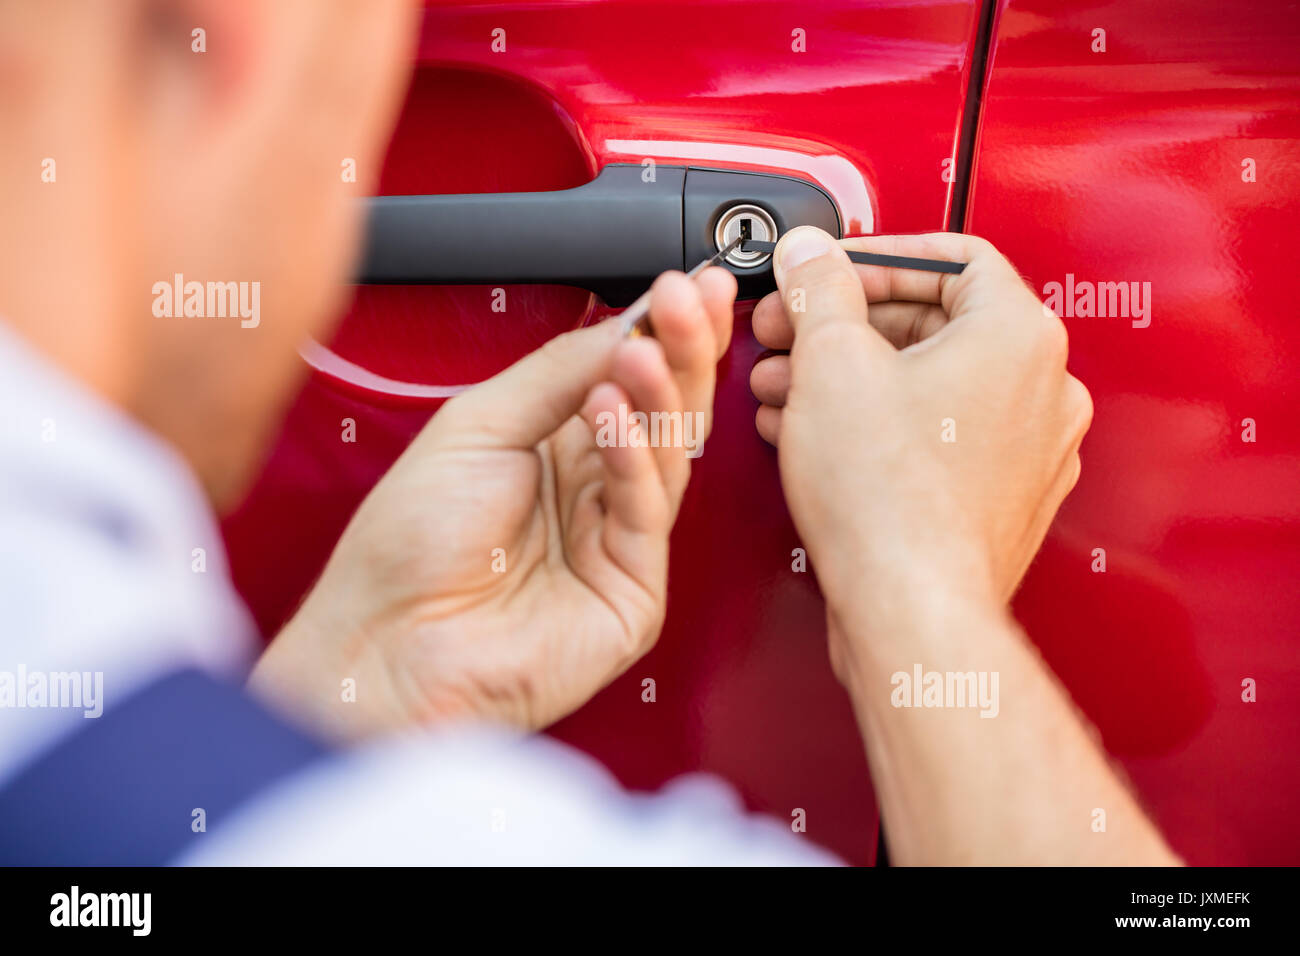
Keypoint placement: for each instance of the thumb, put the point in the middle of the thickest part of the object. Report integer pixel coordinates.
(821, 289)
(522, 405)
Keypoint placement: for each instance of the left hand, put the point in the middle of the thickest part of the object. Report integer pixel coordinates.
(509, 566)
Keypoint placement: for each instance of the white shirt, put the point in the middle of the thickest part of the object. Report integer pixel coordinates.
(111, 564)
(99, 526)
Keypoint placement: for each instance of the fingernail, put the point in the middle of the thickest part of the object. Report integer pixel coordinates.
(802, 245)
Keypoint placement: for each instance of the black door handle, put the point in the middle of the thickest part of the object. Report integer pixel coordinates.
(612, 235)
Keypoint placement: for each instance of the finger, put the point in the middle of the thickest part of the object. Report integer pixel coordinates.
(1041, 520)
(718, 289)
(906, 323)
(771, 324)
(578, 465)
(819, 287)
(816, 280)
(989, 288)
(632, 493)
(987, 303)
(996, 314)
(769, 380)
(640, 368)
(890, 283)
(768, 422)
(834, 344)
(885, 283)
(623, 521)
(981, 292)
(685, 331)
(1078, 417)
(522, 405)
(573, 447)
(902, 323)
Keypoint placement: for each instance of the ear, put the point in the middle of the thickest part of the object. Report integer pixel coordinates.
(197, 67)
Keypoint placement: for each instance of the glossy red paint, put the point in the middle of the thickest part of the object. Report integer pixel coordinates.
(871, 111)
(462, 131)
(1117, 166)
(1128, 165)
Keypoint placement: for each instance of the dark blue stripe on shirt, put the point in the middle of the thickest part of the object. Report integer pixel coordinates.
(122, 791)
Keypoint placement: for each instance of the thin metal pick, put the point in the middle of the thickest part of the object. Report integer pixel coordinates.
(635, 319)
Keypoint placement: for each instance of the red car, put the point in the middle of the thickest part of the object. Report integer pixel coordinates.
(1137, 161)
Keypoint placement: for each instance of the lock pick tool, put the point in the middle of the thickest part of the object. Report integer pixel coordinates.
(635, 319)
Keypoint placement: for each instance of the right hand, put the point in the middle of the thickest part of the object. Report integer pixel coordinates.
(927, 427)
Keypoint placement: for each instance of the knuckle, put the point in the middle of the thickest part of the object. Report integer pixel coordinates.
(1076, 470)
(454, 412)
(1052, 338)
(977, 249)
(835, 336)
(829, 286)
(560, 351)
(554, 349)
(1080, 404)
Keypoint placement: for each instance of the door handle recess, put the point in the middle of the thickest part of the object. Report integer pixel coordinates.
(611, 236)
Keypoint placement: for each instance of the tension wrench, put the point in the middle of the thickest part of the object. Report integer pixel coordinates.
(635, 318)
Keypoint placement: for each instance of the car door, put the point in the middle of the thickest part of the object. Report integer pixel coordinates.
(1151, 149)
(862, 101)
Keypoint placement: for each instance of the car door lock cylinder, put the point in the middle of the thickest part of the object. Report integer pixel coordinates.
(744, 221)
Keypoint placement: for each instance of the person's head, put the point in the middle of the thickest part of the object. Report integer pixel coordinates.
(211, 139)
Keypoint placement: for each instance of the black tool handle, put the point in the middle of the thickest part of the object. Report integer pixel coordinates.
(875, 259)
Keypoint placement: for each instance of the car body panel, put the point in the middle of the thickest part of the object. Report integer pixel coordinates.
(1112, 169)
(870, 112)
(1127, 165)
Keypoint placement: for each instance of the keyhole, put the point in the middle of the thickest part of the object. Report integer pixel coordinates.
(745, 221)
